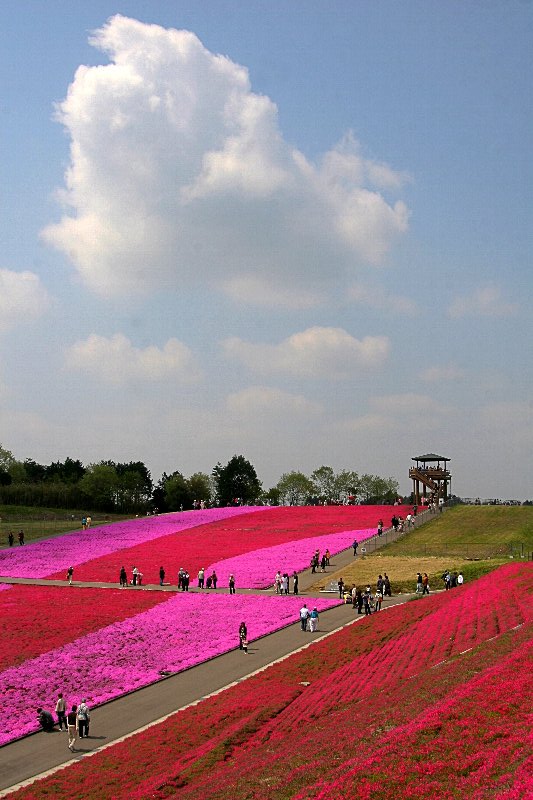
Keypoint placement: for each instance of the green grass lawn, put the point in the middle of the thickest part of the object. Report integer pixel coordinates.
(471, 539)
(471, 532)
(41, 523)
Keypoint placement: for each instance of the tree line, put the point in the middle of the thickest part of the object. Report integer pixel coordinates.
(116, 487)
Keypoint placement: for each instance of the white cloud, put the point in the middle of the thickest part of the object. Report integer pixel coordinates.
(487, 301)
(313, 353)
(443, 372)
(116, 360)
(179, 172)
(22, 298)
(264, 400)
(376, 297)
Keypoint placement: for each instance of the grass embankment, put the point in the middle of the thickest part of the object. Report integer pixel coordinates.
(470, 539)
(42, 523)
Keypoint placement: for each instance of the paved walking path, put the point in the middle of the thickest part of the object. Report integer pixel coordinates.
(39, 752)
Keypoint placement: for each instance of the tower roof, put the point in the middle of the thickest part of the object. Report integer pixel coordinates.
(430, 457)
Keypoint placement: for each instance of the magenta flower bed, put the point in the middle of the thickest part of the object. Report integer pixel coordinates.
(175, 635)
(41, 559)
(257, 570)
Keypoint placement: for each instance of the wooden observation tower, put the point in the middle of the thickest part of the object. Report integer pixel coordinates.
(430, 472)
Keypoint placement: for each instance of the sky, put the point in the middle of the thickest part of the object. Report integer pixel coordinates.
(297, 231)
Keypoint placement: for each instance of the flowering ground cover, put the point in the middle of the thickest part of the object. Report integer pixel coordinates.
(36, 619)
(256, 570)
(129, 654)
(53, 556)
(228, 537)
(360, 727)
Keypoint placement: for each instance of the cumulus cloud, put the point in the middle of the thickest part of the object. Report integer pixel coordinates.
(487, 301)
(314, 353)
(178, 172)
(116, 360)
(376, 297)
(22, 298)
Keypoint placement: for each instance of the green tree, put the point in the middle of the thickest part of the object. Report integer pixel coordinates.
(176, 492)
(7, 459)
(101, 485)
(374, 490)
(345, 485)
(135, 486)
(67, 471)
(237, 481)
(294, 488)
(200, 487)
(323, 480)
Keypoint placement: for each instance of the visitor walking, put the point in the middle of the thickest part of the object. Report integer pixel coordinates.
(304, 616)
(11, 539)
(285, 583)
(123, 578)
(295, 582)
(231, 584)
(418, 583)
(425, 584)
(72, 723)
(380, 527)
(70, 572)
(83, 719)
(367, 600)
(243, 637)
(61, 711)
(359, 596)
(214, 579)
(340, 584)
(355, 545)
(277, 582)
(386, 586)
(161, 576)
(201, 578)
(313, 620)
(21, 537)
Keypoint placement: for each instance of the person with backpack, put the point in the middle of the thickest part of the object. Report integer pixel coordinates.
(83, 719)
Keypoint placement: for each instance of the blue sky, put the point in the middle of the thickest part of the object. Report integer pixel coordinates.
(300, 231)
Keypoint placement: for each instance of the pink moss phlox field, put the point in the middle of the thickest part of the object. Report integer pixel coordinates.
(227, 538)
(175, 635)
(41, 559)
(257, 570)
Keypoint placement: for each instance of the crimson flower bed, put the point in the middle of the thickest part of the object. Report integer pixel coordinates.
(426, 699)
